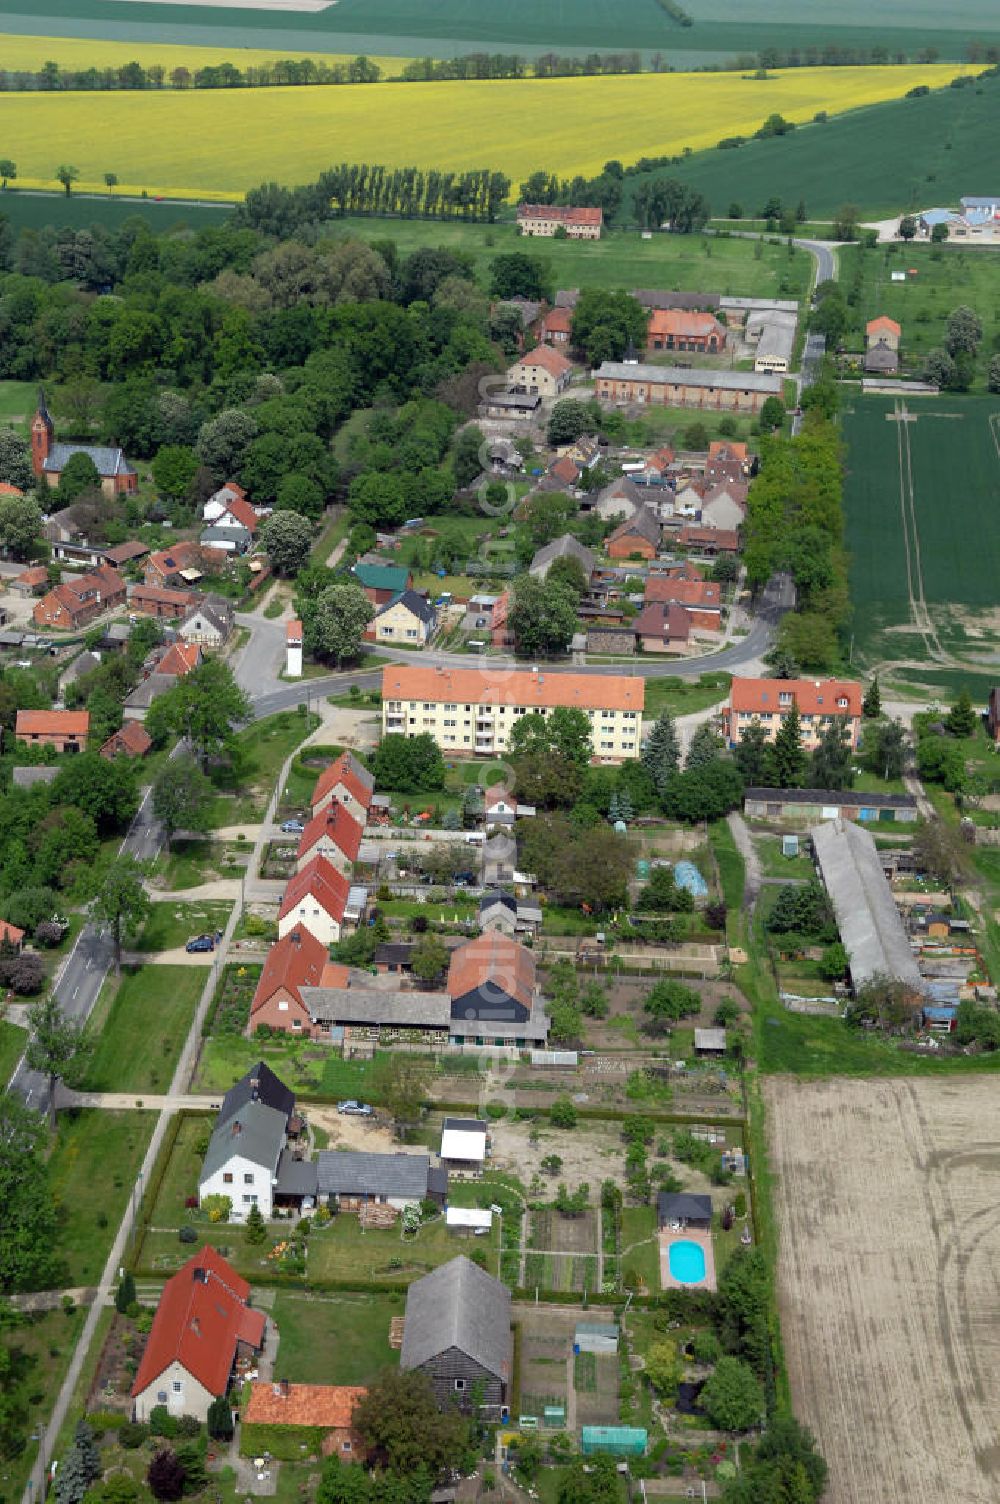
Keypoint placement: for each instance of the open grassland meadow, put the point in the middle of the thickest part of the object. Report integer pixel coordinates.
(920, 504)
(155, 140)
(886, 1198)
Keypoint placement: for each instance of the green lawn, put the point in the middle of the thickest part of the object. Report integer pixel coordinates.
(336, 1339)
(640, 1248)
(188, 864)
(946, 276)
(773, 864)
(180, 1177)
(18, 400)
(621, 258)
(172, 924)
(260, 751)
(12, 1042)
(302, 775)
(685, 696)
(93, 1167)
(140, 1024)
(309, 1069)
(958, 560)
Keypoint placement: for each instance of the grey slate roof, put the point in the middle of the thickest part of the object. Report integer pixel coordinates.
(145, 693)
(562, 548)
(259, 1084)
(255, 1132)
(725, 381)
(868, 920)
(490, 900)
(654, 298)
(831, 796)
(458, 1305)
(296, 1177)
(218, 613)
(418, 606)
(675, 1207)
(26, 778)
(85, 663)
(350, 1005)
(240, 536)
(352, 1173)
(466, 1125)
(359, 770)
(644, 523)
(108, 461)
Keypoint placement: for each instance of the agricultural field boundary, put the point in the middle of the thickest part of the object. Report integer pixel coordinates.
(153, 140)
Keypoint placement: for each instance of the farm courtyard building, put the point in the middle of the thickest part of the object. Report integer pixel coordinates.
(674, 386)
(769, 701)
(580, 223)
(473, 710)
(870, 927)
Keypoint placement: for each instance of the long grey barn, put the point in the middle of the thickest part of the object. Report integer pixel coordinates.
(457, 1332)
(867, 917)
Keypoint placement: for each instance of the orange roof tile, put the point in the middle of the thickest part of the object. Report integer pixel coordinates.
(319, 879)
(133, 739)
(564, 469)
(883, 325)
(558, 321)
(180, 658)
(244, 513)
(479, 686)
(10, 932)
(682, 324)
(812, 696)
(721, 537)
(726, 449)
(326, 1406)
(297, 960)
(6, 489)
(202, 1315)
(37, 575)
(335, 975)
(40, 722)
(701, 593)
(343, 771)
(579, 214)
(334, 820)
(493, 958)
(293, 631)
(550, 360)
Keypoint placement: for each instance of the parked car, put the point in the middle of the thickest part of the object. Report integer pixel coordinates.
(292, 827)
(356, 1109)
(200, 943)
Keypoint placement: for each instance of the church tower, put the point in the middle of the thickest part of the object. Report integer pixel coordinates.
(41, 435)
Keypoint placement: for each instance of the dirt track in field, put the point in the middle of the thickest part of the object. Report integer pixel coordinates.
(887, 1195)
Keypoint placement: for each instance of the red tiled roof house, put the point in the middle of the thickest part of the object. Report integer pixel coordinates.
(581, 222)
(66, 730)
(769, 701)
(679, 329)
(326, 1410)
(74, 603)
(333, 833)
(315, 898)
(203, 1323)
(542, 370)
(133, 740)
(349, 783)
(297, 960)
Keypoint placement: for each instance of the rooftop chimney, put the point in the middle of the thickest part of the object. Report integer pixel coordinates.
(196, 1326)
(200, 1276)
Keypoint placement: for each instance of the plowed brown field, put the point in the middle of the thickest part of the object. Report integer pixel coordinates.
(887, 1195)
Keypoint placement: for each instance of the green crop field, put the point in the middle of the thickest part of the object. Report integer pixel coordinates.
(33, 211)
(928, 152)
(920, 500)
(722, 28)
(939, 278)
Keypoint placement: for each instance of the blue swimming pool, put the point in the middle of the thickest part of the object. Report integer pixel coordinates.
(687, 1262)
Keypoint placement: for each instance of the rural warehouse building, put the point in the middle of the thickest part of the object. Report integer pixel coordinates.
(473, 710)
(673, 386)
(867, 917)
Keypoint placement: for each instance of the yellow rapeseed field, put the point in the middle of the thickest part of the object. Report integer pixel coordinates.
(219, 143)
(29, 53)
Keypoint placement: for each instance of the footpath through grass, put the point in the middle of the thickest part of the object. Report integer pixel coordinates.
(140, 1024)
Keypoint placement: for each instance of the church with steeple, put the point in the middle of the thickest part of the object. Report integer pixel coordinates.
(49, 458)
